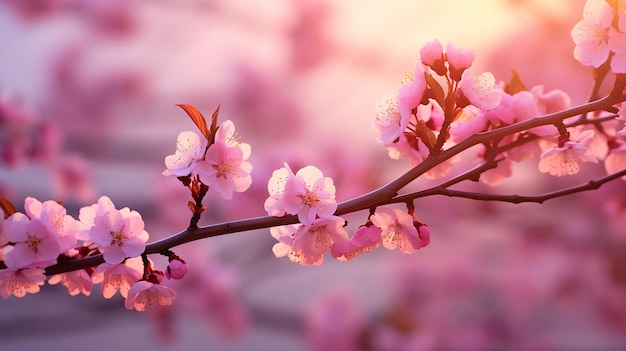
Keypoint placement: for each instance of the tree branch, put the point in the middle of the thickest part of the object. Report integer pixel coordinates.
(388, 193)
(515, 199)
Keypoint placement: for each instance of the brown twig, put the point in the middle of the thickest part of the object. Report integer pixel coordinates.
(388, 193)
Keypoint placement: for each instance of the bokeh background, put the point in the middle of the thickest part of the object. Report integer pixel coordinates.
(95, 85)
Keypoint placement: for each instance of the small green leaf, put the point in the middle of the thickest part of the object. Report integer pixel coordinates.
(197, 118)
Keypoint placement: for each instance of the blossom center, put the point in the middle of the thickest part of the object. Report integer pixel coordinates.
(394, 235)
(310, 198)
(223, 169)
(118, 237)
(33, 242)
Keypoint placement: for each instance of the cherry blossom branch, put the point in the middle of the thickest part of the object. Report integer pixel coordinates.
(390, 190)
(514, 198)
(388, 193)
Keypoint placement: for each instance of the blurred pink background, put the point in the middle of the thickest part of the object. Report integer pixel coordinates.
(300, 80)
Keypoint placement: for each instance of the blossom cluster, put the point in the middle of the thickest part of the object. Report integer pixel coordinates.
(600, 36)
(444, 102)
(45, 235)
(221, 165)
(442, 89)
(310, 196)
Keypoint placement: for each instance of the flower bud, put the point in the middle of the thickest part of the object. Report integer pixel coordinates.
(177, 268)
(424, 233)
(459, 59)
(432, 56)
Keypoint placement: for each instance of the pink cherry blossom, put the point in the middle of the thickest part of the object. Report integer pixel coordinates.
(411, 91)
(309, 194)
(225, 169)
(118, 233)
(398, 230)
(76, 282)
(19, 282)
(459, 59)
(364, 239)
(564, 158)
(63, 226)
(432, 56)
(143, 295)
(226, 134)
(598, 144)
(117, 277)
(525, 105)
(35, 245)
(408, 145)
(591, 33)
(312, 241)
(87, 215)
(177, 268)
(276, 188)
(552, 101)
(389, 122)
(479, 89)
(617, 44)
(190, 148)
(283, 248)
(472, 120)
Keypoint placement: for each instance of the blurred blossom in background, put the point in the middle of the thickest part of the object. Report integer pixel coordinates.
(88, 94)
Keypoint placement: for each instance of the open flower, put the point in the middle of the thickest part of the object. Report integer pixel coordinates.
(398, 230)
(226, 134)
(283, 248)
(411, 91)
(190, 148)
(19, 282)
(225, 169)
(591, 34)
(117, 277)
(54, 216)
(364, 239)
(389, 123)
(276, 188)
(118, 233)
(563, 159)
(617, 44)
(35, 245)
(311, 242)
(309, 194)
(76, 282)
(143, 295)
(479, 90)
